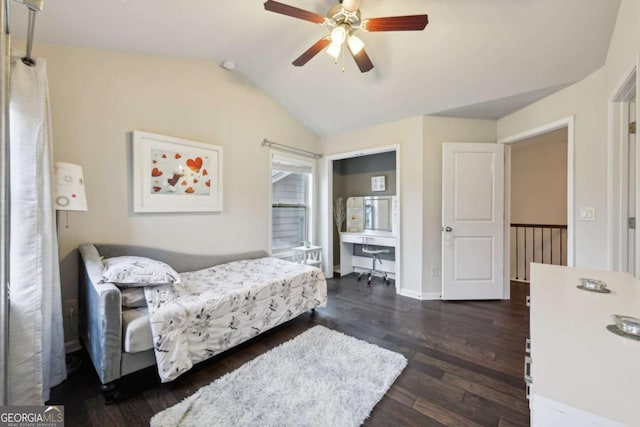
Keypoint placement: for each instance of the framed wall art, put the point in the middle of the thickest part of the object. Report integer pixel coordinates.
(378, 183)
(175, 175)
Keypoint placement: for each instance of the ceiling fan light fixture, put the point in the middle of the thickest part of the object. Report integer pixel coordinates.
(339, 34)
(342, 20)
(355, 45)
(334, 50)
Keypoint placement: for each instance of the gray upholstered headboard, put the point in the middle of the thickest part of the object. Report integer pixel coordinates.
(181, 262)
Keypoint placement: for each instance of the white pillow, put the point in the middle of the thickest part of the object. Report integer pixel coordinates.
(135, 271)
(133, 297)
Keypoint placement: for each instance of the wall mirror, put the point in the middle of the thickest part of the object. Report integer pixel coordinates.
(377, 213)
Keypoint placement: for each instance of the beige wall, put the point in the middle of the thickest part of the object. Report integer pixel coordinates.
(437, 130)
(588, 102)
(98, 97)
(539, 179)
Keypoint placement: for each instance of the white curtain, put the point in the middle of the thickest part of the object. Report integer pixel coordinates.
(36, 339)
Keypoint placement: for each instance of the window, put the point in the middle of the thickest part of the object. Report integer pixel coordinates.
(291, 180)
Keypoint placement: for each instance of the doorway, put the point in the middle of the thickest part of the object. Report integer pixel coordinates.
(538, 183)
(623, 180)
(631, 178)
(553, 236)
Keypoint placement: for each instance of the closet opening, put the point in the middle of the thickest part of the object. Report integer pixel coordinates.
(363, 200)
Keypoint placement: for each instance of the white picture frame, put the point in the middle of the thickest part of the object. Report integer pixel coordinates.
(378, 183)
(175, 175)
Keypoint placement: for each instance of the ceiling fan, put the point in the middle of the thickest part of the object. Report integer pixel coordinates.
(343, 20)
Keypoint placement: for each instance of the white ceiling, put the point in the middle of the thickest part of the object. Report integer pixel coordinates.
(476, 58)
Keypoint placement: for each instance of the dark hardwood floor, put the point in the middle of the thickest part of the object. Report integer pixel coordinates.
(465, 361)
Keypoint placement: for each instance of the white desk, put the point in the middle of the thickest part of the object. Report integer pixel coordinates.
(582, 374)
(311, 255)
(350, 262)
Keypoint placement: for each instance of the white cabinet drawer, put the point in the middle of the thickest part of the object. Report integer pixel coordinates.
(370, 240)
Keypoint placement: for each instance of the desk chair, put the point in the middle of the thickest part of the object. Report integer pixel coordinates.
(375, 256)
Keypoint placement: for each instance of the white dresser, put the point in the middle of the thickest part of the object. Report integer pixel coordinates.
(581, 374)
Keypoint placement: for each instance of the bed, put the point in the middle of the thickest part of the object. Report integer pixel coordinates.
(220, 302)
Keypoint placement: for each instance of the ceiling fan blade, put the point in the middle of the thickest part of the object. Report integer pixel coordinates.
(285, 9)
(363, 60)
(396, 23)
(312, 51)
(351, 5)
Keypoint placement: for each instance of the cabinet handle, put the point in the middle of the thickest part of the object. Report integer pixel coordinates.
(527, 369)
(528, 391)
(528, 301)
(527, 346)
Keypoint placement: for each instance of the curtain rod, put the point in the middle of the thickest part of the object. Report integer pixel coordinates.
(34, 6)
(267, 143)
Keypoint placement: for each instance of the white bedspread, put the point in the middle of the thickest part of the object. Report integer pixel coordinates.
(217, 308)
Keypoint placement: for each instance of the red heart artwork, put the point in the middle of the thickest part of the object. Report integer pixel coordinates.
(156, 189)
(189, 190)
(155, 161)
(194, 164)
(183, 183)
(178, 155)
(164, 156)
(195, 181)
(156, 172)
(204, 172)
(208, 183)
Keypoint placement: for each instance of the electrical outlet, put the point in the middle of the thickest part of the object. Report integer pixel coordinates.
(434, 271)
(71, 307)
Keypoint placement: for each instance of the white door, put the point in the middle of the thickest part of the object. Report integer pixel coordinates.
(472, 221)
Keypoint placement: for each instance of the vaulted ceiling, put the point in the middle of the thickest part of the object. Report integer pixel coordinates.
(476, 58)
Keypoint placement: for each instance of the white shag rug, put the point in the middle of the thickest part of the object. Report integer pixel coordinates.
(319, 378)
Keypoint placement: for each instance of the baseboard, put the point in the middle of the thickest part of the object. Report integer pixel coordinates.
(71, 346)
(410, 293)
(424, 296)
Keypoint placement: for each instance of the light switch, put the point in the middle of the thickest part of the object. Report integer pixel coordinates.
(587, 214)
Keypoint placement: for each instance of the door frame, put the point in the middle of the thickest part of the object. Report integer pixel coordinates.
(618, 170)
(326, 216)
(567, 122)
